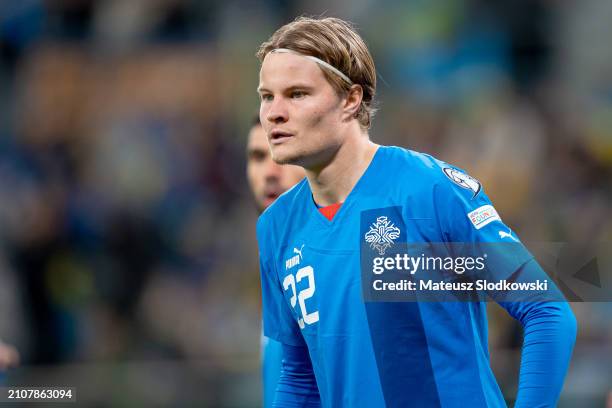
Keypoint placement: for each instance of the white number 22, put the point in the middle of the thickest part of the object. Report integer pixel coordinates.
(289, 282)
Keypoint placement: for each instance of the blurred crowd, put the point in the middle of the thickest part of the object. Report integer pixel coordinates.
(126, 228)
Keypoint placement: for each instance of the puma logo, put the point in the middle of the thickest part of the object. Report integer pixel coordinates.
(504, 234)
(295, 259)
(299, 251)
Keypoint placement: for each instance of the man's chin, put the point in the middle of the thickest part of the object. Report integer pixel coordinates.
(267, 202)
(282, 158)
(264, 203)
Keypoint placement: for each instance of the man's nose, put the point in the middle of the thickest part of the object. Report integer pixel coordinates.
(277, 113)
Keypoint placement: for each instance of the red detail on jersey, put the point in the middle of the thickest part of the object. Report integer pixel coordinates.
(330, 211)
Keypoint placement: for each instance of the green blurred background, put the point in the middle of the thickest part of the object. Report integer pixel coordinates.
(128, 260)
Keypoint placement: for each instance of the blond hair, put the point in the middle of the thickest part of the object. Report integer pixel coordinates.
(336, 42)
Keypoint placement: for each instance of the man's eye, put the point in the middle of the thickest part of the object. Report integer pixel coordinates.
(257, 156)
(266, 97)
(298, 94)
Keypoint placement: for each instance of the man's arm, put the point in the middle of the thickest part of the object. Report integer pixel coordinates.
(297, 386)
(549, 326)
(549, 335)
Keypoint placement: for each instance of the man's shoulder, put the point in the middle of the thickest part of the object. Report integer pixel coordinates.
(429, 176)
(421, 176)
(273, 224)
(285, 204)
(413, 168)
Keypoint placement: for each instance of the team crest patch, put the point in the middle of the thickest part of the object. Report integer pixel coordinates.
(483, 215)
(463, 180)
(382, 234)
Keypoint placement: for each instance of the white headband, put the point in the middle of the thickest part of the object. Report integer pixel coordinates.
(318, 61)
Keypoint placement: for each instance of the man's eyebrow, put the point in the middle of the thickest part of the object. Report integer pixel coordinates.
(299, 86)
(261, 89)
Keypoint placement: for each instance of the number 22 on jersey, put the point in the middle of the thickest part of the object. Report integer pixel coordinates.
(290, 283)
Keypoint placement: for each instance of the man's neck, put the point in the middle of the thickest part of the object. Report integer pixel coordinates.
(333, 183)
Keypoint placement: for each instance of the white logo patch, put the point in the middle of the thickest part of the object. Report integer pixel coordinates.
(381, 235)
(299, 251)
(483, 216)
(296, 259)
(463, 180)
(504, 234)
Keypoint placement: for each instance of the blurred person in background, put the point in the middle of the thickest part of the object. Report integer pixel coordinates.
(267, 181)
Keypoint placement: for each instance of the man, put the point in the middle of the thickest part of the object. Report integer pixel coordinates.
(317, 85)
(267, 181)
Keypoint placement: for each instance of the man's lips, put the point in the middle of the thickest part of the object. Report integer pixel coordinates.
(279, 136)
(270, 196)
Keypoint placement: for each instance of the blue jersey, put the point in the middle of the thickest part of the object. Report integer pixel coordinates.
(376, 354)
(271, 356)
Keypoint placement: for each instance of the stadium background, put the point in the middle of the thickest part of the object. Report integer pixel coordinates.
(128, 264)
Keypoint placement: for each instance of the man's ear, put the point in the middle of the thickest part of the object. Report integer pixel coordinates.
(352, 101)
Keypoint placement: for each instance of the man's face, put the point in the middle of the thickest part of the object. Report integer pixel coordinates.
(300, 110)
(267, 179)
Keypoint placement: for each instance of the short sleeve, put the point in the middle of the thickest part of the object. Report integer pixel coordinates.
(278, 321)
